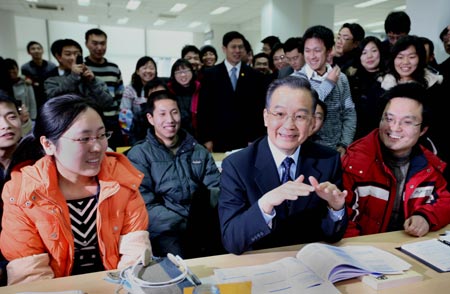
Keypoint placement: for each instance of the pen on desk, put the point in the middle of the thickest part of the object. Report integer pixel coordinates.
(194, 278)
(445, 242)
(190, 275)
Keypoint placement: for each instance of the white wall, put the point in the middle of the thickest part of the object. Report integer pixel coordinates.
(428, 21)
(8, 45)
(30, 29)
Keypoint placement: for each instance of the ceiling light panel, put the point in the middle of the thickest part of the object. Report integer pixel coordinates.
(400, 8)
(194, 24)
(133, 4)
(220, 10)
(122, 20)
(178, 7)
(84, 2)
(83, 18)
(374, 24)
(369, 3)
(159, 22)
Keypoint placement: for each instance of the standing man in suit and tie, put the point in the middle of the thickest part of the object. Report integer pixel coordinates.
(283, 189)
(231, 100)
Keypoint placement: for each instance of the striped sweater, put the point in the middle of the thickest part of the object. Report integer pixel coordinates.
(340, 124)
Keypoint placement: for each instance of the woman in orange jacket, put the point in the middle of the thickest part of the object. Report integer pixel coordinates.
(78, 209)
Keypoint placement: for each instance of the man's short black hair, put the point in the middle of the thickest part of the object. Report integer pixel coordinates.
(156, 82)
(271, 40)
(189, 48)
(156, 96)
(58, 45)
(247, 46)
(322, 33)
(260, 55)
(230, 36)
(323, 105)
(94, 31)
(397, 22)
(5, 98)
(208, 48)
(428, 42)
(31, 43)
(443, 33)
(356, 30)
(293, 43)
(414, 91)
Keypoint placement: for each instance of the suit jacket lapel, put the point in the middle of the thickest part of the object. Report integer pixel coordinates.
(266, 175)
(307, 162)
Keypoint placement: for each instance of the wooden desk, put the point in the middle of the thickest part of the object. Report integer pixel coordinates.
(433, 282)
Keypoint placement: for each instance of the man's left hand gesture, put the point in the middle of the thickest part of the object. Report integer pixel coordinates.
(330, 193)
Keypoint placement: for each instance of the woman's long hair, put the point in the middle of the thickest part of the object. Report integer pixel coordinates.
(136, 81)
(402, 44)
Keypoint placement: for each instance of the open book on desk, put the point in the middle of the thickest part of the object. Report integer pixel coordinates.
(435, 253)
(314, 269)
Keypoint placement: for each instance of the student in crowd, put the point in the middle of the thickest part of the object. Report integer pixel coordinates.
(139, 123)
(393, 182)
(396, 25)
(178, 172)
(101, 221)
(134, 97)
(332, 86)
(408, 64)
(192, 54)
(247, 53)
(278, 58)
(231, 100)
(37, 70)
(186, 88)
(444, 67)
(320, 116)
(268, 43)
(23, 93)
(14, 150)
(431, 62)
(261, 62)
(73, 77)
(293, 50)
(364, 86)
(208, 56)
(108, 72)
(346, 48)
(283, 189)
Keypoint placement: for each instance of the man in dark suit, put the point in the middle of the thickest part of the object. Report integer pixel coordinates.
(266, 201)
(229, 113)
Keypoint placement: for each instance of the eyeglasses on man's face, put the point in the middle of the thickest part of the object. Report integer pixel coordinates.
(88, 139)
(293, 58)
(280, 116)
(404, 123)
